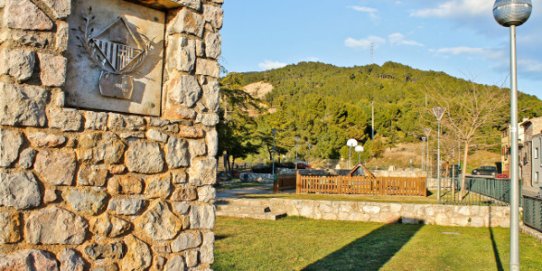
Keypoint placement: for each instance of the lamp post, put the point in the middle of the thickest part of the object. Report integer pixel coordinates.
(296, 138)
(439, 113)
(350, 143)
(512, 13)
(424, 139)
(274, 133)
(359, 150)
(427, 132)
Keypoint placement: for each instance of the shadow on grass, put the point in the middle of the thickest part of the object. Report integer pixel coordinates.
(370, 252)
(498, 261)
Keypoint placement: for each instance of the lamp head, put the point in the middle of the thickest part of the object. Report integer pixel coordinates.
(512, 12)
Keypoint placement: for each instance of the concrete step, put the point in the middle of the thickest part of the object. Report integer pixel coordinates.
(243, 202)
(262, 216)
(242, 208)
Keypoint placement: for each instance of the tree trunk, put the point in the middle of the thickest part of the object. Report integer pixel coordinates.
(464, 171)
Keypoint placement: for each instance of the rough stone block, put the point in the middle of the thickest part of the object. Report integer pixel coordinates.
(206, 193)
(197, 147)
(138, 256)
(17, 63)
(207, 67)
(181, 54)
(44, 140)
(53, 225)
(23, 14)
(202, 172)
(187, 22)
(87, 200)
(19, 190)
(29, 259)
(213, 45)
(56, 167)
(184, 192)
(26, 158)
(109, 251)
(184, 90)
(118, 122)
(186, 240)
(211, 137)
(61, 8)
(208, 119)
(110, 226)
(191, 257)
(10, 222)
(158, 222)
(207, 248)
(211, 95)
(61, 37)
(22, 105)
(158, 186)
(125, 185)
(65, 119)
(144, 157)
(90, 175)
(70, 260)
(175, 263)
(100, 147)
(177, 154)
(191, 132)
(126, 206)
(213, 15)
(156, 135)
(202, 217)
(95, 120)
(52, 70)
(10, 143)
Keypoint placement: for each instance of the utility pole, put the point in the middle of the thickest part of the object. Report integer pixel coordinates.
(439, 113)
(372, 119)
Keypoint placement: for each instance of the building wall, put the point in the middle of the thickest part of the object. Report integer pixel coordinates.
(83, 189)
(536, 161)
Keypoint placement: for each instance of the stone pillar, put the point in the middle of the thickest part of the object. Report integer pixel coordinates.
(87, 188)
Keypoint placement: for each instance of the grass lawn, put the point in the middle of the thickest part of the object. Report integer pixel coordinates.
(238, 184)
(302, 244)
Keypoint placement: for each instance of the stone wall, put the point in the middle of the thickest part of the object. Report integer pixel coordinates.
(84, 189)
(444, 215)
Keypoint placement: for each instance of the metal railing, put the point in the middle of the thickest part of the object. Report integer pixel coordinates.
(532, 212)
(498, 189)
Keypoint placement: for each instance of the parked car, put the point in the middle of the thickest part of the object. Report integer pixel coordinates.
(485, 170)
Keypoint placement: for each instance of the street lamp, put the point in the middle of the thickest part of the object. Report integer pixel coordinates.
(274, 133)
(512, 13)
(424, 139)
(296, 139)
(439, 113)
(350, 143)
(427, 132)
(359, 150)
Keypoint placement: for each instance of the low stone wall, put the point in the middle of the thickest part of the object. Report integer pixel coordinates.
(432, 214)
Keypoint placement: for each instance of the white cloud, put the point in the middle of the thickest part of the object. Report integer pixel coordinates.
(493, 54)
(530, 65)
(400, 39)
(270, 64)
(457, 8)
(364, 43)
(368, 10)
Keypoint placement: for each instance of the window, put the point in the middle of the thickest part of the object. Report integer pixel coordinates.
(535, 153)
(536, 175)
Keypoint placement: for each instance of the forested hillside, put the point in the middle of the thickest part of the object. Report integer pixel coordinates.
(324, 105)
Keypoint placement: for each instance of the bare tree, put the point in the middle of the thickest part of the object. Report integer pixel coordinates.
(468, 111)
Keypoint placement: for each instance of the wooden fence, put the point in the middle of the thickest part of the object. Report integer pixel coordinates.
(402, 186)
(284, 182)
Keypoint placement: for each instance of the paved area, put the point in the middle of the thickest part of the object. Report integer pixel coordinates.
(240, 192)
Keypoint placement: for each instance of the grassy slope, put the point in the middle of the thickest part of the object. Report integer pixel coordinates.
(303, 244)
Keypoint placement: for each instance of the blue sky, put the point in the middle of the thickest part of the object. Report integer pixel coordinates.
(459, 37)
